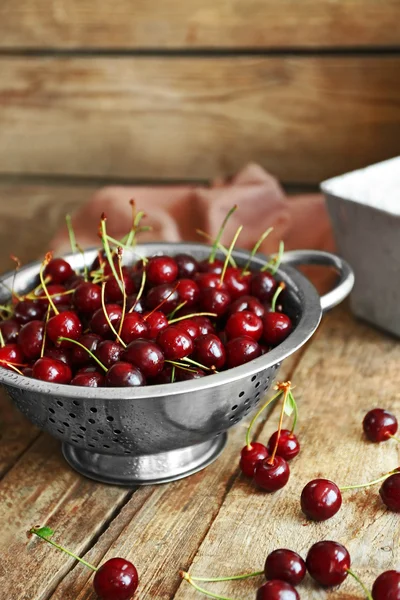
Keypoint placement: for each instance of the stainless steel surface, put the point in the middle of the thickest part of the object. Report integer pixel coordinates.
(180, 425)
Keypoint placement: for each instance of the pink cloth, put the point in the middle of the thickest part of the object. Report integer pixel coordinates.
(175, 212)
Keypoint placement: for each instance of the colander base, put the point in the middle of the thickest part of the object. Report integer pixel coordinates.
(145, 469)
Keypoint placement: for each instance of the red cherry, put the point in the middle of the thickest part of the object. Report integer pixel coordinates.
(237, 284)
(29, 310)
(186, 375)
(73, 282)
(285, 565)
(321, 499)
(214, 300)
(379, 425)
(241, 350)
(247, 303)
(387, 586)
(328, 562)
(51, 370)
(109, 352)
(175, 343)
(11, 353)
(277, 590)
(263, 286)
(57, 293)
(272, 476)
(123, 374)
(209, 280)
(27, 371)
(133, 301)
(156, 321)
(99, 325)
(133, 327)
(65, 324)
(146, 356)
(390, 492)
(161, 269)
(78, 355)
(116, 579)
(62, 354)
(59, 270)
(187, 265)
(9, 330)
(250, 457)
(94, 379)
(112, 290)
(209, 351)
(165, 293)
(188, 291)
(87, 297)
(31, 338)
(277, 327)
(204, 324)
(190, 327)
(288, 445)
(244, 323)
(214, 267)
(164, 377)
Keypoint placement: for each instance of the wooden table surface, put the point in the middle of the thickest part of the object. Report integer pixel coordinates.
(215, 522)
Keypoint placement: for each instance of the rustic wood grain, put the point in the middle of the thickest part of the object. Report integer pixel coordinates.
(347, 369)
(198, 24)
(302, 118)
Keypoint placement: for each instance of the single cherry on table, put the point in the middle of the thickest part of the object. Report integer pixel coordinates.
(379, 425)
(321, 499)
(285, 565)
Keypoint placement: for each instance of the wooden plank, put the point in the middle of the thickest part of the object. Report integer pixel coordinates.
(347, 370)
(302, 118)
(199, 24)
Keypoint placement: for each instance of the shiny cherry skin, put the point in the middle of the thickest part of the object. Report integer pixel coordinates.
(133, 327)
(116, 579)
(65, 324)
(209, 280)
(263, 286)
(156, 321)
(51, 370)
(9, 330)
(94, 379)
(320, 499)
(57, 294)
(272, 476)
(204, 324)
(390, 492)
(214, 300)
(244, 323)
(209, 351)
(112, 289)
(146, 356)
(247, 303)
(79, 356)
(29, 310)
(379, 425)
(387, 586)
(186, 375)
(241, 350)
(31, 339)
(237, 284)
(59, 270)
(285, 565)
(190, 327)
(99, 325)
(161, 269)
(188, 291)
(63, 354)
(11, 353)
(214, 267)
(277, 590)
(109, 352)
(288, 445)
(166, 293)
(277, 327)
(175, 343)
(327, 563)
(187, 266)
(164, 377)
(123, 374)
(87, 297)
(138, 305)
(251, 456)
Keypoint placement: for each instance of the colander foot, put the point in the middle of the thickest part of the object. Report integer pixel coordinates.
(145, 469)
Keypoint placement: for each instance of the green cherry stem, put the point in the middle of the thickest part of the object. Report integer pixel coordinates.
(111, 326)
(196, 364)
(255, 248)
(141, 289)
(13, 367)
(230, 250)
(295, 412)
(229, 578)
(39, 533)
(44, 264)
(177, 309)
(258, 413)
(364, 588)
(219, 246)
(173, 373)
(278, 291)
(119, 254)
(219, 235)
(285, 395)
(189, 579)
(199, 314)
(2, 342)
(71, 234)
(393, 437)
(45, 332)
(273, 264)
(65, 339)
(107, 250)
(370, 483)
(179, 365)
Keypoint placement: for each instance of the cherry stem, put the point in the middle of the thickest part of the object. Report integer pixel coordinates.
(65, 339)
(136, 220)
(370, 483)
(285, 395)
(258, 413)
(177, 309)
(395, 438)
(200, 314)
(255, 248)
(295, 412)
(44, 286)
(196, 364)
(45, 332)
(17, 267)
(230, 578)
(180, 366)
(230, 250)
(46, 539)
(120, 244)
(140, 292)
(123, 294)
(111, 326)
(71, 234)
(279, 289)
(13, 367)
(2, 342)
(188, 578)
(164, 301)
(85, 268)
(219, 246)
(273, 264)
(364, 588)
(107, 250)
(173, 373)
(219, 235)
(6, 309)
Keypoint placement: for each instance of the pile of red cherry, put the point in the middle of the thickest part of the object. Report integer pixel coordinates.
(164, 319)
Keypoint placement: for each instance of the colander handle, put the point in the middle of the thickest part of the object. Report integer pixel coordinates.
(343, 286)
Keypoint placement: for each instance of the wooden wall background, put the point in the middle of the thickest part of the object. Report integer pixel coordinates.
(95, 91)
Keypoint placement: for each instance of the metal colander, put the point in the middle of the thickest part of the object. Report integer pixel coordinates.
(160, 433)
